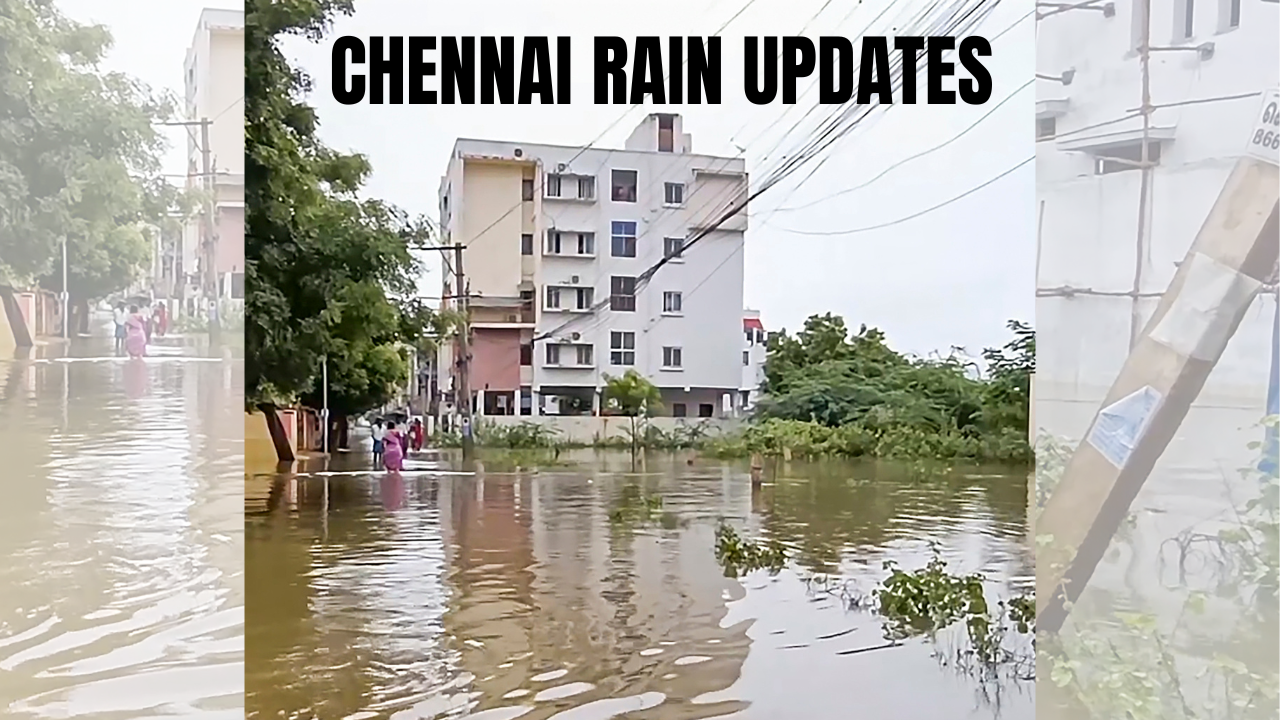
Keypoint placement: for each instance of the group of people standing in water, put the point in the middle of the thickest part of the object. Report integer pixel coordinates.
(135, 326)
(391, 442)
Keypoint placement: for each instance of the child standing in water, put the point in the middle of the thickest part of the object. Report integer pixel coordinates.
(393, 449)
(379, 434)
(120, 317)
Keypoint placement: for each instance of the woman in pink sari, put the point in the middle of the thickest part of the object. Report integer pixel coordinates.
(135, 333)
(393, 449)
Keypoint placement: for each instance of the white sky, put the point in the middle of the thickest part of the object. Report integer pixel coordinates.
(950, 277)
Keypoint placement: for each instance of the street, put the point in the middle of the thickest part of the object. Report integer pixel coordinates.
(122, 528)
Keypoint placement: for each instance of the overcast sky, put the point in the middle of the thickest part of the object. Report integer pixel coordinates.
(949, 277)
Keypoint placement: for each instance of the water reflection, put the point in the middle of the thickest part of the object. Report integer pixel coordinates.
(529, 594)
(121, 593)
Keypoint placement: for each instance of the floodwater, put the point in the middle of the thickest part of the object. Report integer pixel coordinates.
(121, 533)
(569, 593)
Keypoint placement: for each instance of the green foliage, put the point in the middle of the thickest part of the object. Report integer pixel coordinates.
(631, 394)
(79, 156)
(889, 405)
(776, 437)
(738, 555)
(328, 273)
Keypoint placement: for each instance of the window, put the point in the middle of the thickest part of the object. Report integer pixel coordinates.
(624, 239)
(746, 357)
(554, 244)
(526, 401)
(553, 354)
(553, 186)
(586, 243)
(760, 337)
(526, 301)
(1230, 14)
(526, 354)
(706, 410)
(672, 357)
(526, 190)
(583, 297)
(622, 294)
(526, 244)
(673, 194)
(1184, 14)
(679, 410)
(622, 347)
(1125, 158)
(586, 354)
(624, 185)
(586, 188)
(553, 298)
(672, 303)
(750, 336)
(1046, 128)
(673, 247)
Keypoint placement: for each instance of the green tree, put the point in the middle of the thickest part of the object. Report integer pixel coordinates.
(328, 273)
(79, 155)
(633, 396)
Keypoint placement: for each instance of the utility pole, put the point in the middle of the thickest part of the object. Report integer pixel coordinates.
(208, 235)
(209, 241)
(324, 411)
(462, 389)
(66, 295)
(462, 392)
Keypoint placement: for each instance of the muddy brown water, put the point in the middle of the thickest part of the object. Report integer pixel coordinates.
(121, 533)
(562, 593)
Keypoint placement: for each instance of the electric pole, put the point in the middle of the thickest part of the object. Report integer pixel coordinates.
(463, 390)
(209, 229)
(209, 242)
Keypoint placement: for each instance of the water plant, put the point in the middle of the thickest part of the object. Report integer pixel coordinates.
(739, 555)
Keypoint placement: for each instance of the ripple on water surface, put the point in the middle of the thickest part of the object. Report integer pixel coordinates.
(573, 594)
(122, 528)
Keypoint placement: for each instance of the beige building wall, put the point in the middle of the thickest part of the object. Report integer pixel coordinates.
(490, 230)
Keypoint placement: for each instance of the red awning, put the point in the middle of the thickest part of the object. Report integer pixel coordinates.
(752, 324)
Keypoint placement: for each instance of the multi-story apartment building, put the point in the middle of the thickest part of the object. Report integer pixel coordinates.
(558, 240)
(214, 80)
(754, 353)
(1215, 59)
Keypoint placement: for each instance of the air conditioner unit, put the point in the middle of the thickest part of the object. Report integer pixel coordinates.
(574, 280)
(513, 318)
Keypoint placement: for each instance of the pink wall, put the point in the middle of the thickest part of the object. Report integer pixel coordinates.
(495, 359)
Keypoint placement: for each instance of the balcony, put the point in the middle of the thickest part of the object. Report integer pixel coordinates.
(569, 356)
(502, 313)
(569, 187)
(570, 244)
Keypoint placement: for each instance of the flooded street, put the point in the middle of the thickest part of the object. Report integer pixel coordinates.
(121, 530)
(588, 592)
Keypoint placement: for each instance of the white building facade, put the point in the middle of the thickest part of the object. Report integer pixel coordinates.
(1213, 61)
(755, 351)
(214, 82)
(557, 243)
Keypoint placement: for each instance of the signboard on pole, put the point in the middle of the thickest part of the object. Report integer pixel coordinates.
(1264, 132)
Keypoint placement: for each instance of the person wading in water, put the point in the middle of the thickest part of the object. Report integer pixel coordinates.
(393, 449)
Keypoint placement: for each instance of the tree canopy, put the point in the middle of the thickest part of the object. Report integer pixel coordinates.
(79, 156)
(328, 273)
(828, 376)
